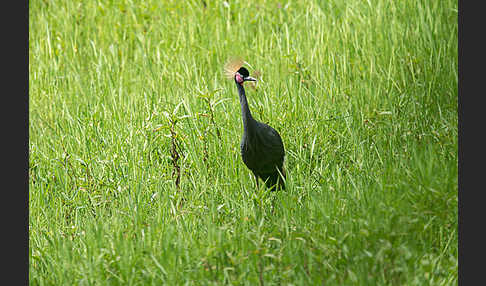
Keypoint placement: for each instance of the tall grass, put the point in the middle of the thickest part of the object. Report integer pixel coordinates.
(363, 93)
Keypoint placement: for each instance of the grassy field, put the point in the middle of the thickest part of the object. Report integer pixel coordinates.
(363, 93)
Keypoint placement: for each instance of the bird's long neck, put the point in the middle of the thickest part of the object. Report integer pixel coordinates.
(245, 110)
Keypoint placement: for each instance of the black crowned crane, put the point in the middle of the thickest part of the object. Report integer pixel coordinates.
(262, 149)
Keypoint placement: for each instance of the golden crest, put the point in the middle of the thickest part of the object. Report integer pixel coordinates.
(232, 65)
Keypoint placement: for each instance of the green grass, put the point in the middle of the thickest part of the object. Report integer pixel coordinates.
(363, 93)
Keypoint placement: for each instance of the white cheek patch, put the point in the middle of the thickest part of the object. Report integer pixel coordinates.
(239, 79)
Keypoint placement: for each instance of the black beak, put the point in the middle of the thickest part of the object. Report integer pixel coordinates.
(249, 78)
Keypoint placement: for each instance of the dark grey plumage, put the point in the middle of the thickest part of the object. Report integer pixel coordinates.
(262, 149)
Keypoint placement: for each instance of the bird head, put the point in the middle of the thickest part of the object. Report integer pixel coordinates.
(234, 69)
(243, 75)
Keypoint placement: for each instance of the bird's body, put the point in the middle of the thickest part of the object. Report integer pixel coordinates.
(263, 153)
(262, 149)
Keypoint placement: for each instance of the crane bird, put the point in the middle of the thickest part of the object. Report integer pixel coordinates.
(262, 149)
